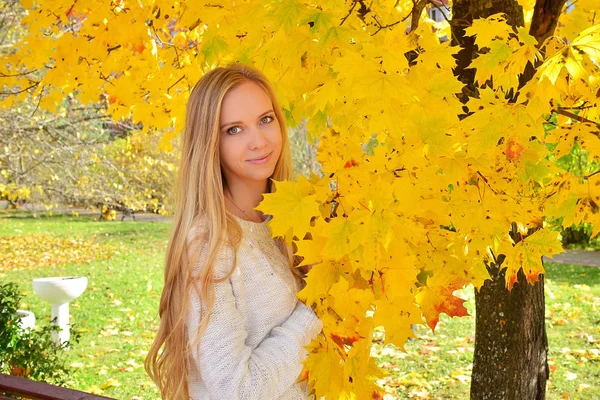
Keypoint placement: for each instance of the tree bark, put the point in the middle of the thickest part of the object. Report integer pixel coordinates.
(462, 19)
(511, 347)
(545, 18)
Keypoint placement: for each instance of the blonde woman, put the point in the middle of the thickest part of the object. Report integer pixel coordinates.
(231, 325)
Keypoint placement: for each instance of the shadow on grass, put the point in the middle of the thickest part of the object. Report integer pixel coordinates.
(67, 225)
(574, 274)
(43, 215)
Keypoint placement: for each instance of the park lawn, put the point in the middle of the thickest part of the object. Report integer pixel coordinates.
(117, 316)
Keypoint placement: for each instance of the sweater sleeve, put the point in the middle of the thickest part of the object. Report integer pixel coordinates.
(232, 370)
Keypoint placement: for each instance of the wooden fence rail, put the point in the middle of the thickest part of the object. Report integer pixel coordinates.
(12, 385)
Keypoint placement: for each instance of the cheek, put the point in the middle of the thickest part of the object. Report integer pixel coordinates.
(222, 149)
(228, 151)
(275, 135)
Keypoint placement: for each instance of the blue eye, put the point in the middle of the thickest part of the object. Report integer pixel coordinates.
(233, 127)
(265, 120)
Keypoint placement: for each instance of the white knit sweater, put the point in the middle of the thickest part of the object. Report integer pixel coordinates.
(255, 342)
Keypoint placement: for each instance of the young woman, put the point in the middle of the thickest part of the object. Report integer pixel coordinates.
(231, 325)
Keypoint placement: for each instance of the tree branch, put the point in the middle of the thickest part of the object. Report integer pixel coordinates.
(544, 19)
(574, 116)
(417, 10)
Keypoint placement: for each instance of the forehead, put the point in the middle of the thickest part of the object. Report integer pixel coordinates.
(245, 101)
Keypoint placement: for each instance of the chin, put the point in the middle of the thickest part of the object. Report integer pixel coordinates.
(259, 175)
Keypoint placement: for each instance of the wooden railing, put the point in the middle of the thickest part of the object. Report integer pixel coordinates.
(40, 391)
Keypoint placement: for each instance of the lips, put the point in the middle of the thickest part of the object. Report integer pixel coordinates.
(261, 158)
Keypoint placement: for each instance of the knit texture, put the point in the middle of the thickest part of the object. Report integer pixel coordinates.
(255, 342)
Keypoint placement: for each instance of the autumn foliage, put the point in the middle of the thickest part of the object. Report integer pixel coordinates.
(418, 189)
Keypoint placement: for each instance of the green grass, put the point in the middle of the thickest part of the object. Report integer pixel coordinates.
(117, 316)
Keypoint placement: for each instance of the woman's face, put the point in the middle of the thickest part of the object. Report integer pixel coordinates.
(249, 132)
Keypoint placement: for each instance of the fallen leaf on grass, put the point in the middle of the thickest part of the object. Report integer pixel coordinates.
(430, 347)
(420, 393)
(133, 364)
(40, 251)
(570, 376)
(110, 382)
(94, 390)
(461, 377)
(582, 387)
(574, 313)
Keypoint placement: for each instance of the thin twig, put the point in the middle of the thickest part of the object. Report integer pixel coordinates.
(349, 12)
(574, 116)
(37, 106)
(178, 80)
(22, 90)
(592, 174)
(383, 26)
(3, 75)
(486, 181)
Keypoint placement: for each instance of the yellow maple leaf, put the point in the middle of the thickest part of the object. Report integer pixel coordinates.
(337, 235)
(487, 30)
(349, 301)
(27, 4)
(292, 207)
(396, 319)
(311, 250)
(324, 364)
(437, 296)
(490, 63)
(319, 280)
(527, 254)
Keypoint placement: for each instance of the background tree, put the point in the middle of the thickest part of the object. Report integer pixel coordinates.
(75, 155)
(424, 174)
(511, 346)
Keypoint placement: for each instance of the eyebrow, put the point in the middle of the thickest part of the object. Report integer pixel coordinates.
(240, 122)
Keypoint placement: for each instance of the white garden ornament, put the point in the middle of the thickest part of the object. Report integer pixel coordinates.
(59, 291)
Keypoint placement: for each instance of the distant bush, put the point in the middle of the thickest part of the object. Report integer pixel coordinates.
(580, 236)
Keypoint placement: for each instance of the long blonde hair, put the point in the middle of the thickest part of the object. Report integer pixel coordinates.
(199, 194)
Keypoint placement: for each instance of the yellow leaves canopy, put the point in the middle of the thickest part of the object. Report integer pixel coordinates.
(414, 201)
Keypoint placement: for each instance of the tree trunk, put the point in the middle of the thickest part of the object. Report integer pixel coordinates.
(511, 347)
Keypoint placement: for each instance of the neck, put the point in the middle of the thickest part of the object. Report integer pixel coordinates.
(246, 196)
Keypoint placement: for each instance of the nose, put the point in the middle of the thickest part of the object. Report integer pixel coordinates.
(258, 139)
